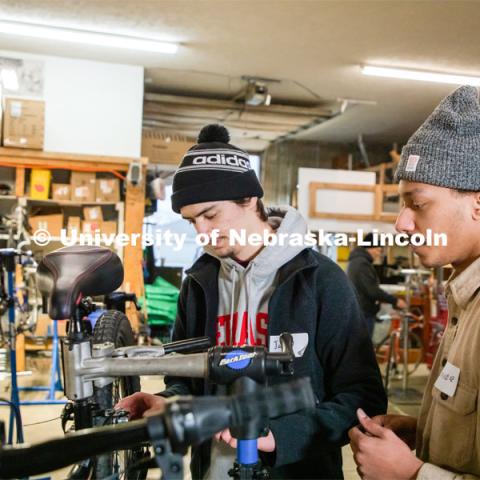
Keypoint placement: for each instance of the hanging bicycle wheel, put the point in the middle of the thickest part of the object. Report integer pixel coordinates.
(114, 327)
(415, 353)
(389, 354)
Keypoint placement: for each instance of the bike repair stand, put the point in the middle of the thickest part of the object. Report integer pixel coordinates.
(15, 415)
(248, 465)
(55, 377)
(406, 395)
(55, 382)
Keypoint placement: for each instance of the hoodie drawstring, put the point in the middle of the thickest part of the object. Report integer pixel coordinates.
(233, 275)
(249, 318)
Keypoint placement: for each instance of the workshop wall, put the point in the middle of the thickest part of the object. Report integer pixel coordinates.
(90, 107)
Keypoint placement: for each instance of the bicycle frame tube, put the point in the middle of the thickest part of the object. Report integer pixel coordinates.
(193, 365)
(81, 368)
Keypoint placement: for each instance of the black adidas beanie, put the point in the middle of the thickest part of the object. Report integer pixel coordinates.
(214, 170)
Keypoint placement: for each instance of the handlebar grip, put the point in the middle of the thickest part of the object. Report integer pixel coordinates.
(206, 416)
(198, 344)
(72, 448)
(273, 402)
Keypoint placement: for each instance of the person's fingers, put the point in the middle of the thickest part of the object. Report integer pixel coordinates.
(354, 448)
(154, 410)
(128, 402)
(369, 425)
(355, 435)
(379, 420)
(153, 400)
(123, 403)
(226, 435)
(267, 444)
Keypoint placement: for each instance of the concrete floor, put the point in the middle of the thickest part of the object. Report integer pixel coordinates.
(42, 422)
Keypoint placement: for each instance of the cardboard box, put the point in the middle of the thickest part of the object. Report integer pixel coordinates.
(107, 190)
(61, 191)
(93, 214)
(109, 228)
(74, 223)
(40, 183)
(83, 187)
(91, 226)
(53, 224)
(24, 123)
(161, 147)
(44, 326)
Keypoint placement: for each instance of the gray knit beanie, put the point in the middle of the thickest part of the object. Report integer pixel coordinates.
(445, 150)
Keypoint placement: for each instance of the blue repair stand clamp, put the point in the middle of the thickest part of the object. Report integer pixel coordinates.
(247, 465)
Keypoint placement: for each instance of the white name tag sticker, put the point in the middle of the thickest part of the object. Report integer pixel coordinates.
(300, 342)
(447, 381)
(412, 163)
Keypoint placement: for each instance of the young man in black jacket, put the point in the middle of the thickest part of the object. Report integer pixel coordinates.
(248, 294)
(362, 274)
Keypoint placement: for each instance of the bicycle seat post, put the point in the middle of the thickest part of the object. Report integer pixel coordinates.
(77, 326)
(75, 349)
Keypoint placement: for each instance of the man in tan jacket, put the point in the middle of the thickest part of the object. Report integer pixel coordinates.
(439, 176)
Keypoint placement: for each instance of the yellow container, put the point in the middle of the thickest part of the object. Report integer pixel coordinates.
(40, 183)
(343, 253)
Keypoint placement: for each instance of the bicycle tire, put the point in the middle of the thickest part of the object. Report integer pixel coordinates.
(390, 357)
(114, 326)
(414, 342)
(382, 352)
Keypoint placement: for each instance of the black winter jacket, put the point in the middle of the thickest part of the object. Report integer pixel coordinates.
(362, 274)
(313, 296)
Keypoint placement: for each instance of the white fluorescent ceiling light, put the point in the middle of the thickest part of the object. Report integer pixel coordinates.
(421, 76)
(86, 37)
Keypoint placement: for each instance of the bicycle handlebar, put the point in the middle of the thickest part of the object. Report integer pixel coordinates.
(221, 365)
(186, 421)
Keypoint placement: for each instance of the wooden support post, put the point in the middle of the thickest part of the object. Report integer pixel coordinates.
(133, 254)
(20, 182)
(20, 352)
(378, 207)
(382, 174)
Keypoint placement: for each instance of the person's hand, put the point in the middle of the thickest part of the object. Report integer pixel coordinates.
(403, 426)
(401, 304)
(379, 453)
(141, 404)
(264, 444)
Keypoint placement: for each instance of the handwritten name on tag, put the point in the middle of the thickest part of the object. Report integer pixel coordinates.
(300, 342)
(447, 381)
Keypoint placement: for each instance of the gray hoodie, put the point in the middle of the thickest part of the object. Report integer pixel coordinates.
(243, 295)
(244, 292)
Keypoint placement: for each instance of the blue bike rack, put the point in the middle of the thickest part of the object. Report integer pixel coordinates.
(55, 377)
(14, 397)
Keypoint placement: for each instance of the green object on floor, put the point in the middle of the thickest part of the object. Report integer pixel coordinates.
(161, 297)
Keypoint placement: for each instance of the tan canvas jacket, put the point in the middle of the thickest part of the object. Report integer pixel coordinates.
(448, 433)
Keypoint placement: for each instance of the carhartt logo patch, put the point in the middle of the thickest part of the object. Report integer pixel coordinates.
(412, 163)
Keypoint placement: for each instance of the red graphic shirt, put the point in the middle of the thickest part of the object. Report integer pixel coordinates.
(231, 331)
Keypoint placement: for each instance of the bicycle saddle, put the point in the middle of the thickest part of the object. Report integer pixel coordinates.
(68, 274)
